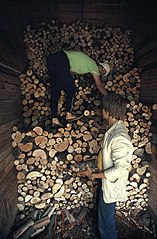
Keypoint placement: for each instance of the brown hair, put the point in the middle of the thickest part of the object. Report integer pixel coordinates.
(115, 104)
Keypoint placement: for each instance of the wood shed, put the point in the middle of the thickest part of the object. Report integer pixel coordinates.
(123, 32)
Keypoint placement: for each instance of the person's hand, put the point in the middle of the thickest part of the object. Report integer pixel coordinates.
(87, 172)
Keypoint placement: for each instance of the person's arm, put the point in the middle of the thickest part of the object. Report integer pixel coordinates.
(99, 84)
(88, 172)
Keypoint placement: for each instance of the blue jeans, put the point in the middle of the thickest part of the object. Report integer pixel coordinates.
(106, 217)
(60, 79)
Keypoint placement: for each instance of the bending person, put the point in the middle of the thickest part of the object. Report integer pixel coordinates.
(60, 66)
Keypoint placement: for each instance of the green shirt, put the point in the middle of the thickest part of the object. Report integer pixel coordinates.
(81, 63)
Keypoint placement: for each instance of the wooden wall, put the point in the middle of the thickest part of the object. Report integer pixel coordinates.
(113, 12)
(10, 114)
(146, 57)
(12, 62)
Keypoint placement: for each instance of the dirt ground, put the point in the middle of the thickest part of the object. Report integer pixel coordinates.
(126, 228)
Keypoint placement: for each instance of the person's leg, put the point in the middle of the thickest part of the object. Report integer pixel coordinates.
(55, 96)
(106, 219)
(68, 85)
(56, 88)
(57, 65)
(70, 90)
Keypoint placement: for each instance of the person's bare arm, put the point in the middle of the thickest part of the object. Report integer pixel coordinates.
(99, 84)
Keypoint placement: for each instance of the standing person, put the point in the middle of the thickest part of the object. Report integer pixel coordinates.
(116, 157)
(60, 66)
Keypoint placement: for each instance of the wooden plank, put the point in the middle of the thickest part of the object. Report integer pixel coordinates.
(6, 162)
(149, 58)
(6, 152)
(5, 144)
(5, 135)
(6, 225)
(154, 141)
(9, 91)
(147, 98)
(9, 55)
(149, 86)
(152, 213)
(8, 126)
(10, 105)
(69, 11)
(7, 183)
(149, 75)
(153, 189)
(11, 198)
(8, 116)
(153, 168)
(9, 87)
(142, 36)
(146, 49)
(8, 211)
(10, 78)
(6, 129)
(103, 13)
(2, 216)
(153, 163)
(5, 172)
(5, 95)
(154, 116)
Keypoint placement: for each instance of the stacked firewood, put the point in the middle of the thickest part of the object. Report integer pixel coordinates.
(111, 44)
(47, 160)
(47, 164)
(53, 158)
(35, 100)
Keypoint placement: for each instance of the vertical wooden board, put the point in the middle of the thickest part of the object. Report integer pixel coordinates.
(146, 49)
(5, 133)
(10, 106)
(8, 199)
(7, 184)
(12, 26)
(68, 11)
(9, 87)
(149, 86)
(2, 215)
(9, 77)
(4, 154)
(5, 144)
(6, 117)
(100, 12)
(149, 58)
(9, 56)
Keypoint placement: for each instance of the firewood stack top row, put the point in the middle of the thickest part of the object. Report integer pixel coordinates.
(47, 160)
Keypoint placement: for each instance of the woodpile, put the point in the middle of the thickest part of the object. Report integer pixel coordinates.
(111, 44)
(47, 160)
(47, 164)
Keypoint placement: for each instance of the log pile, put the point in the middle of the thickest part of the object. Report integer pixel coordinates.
(35, 100)
(47, 164)
(47, 161)
(111, 44)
